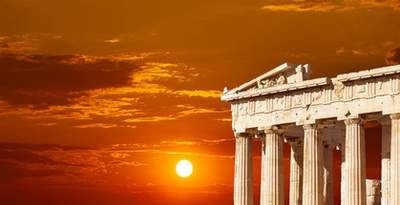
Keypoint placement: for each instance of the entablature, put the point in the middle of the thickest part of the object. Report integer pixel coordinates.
(302, 102)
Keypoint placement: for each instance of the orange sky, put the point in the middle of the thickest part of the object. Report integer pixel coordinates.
(99, 99)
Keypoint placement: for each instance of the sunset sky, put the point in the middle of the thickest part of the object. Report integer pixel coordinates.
(99, 99)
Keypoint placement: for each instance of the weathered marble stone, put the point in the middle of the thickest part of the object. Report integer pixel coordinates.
(354, 183)
(304, 108)
(272, 169)
(296, 171)
(243, 188)
(373, 192)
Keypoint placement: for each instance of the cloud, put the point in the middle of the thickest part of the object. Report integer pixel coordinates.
(216, 148)
(200, 93)
(330, 5)
(39, 147)
(224, 119)
(103, 125)
(11, 171)
(43, 80)
(96, 125)
(17, 44)
(192, 110)
(365, 52)
(149, 119)
(23, 154)
(181, 112)
(114, 40)
(302, 6)
(97, 90)
(393, 56)
(61, 164)
(206, 142)
(46, 124)
(38, 160)
(110, 91)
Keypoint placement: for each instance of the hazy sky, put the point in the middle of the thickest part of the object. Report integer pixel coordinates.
(100, 98)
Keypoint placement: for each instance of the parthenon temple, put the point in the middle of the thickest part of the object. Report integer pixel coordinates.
(316, 116)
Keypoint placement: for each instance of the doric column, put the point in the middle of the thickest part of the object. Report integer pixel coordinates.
(355, 163)
(385, 161)
(296, 171)
(243, 182)
(395, 160)
(312, 166)
(271, 190)
(328, 172)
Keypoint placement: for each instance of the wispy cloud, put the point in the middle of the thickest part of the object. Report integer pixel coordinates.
(122, 88)
(17, 44)
(149, 119)
(365, 52)
(195, 154)
(330, 5)
(114, 40)
(65, 160)
(73, 162)
(192, 110)
(182, 111)
(200, 93)
(103, 125)
(224, 119)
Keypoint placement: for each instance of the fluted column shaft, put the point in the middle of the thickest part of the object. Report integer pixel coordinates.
(395, 160)
(296, 172)
(271, 192)
(328, 184)
(385, 162)
(355, 163)
(243, 182)
(312, 167)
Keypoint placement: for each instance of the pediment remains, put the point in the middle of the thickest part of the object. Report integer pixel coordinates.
(283, 74)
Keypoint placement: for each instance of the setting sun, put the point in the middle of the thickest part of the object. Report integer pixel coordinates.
(184, 168)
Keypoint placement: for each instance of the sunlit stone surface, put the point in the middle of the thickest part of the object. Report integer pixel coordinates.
(243, 189)
(316, 116)
(272, 169)
(373, 192)
(296, 171)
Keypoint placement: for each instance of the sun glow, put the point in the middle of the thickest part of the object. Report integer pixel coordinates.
(184, 168)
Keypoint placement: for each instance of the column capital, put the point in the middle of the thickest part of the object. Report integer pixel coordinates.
(395, 116)
(242, 134)
(271, 130)
(353, 121)
(310, 126)
(384, 120)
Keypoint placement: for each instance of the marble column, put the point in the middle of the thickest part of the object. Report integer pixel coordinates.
(243, 182)
(385, 161)
(328, 172)
(395, 160)
(271, 190)
(355, 163)
(296, 171)
(312, 166)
